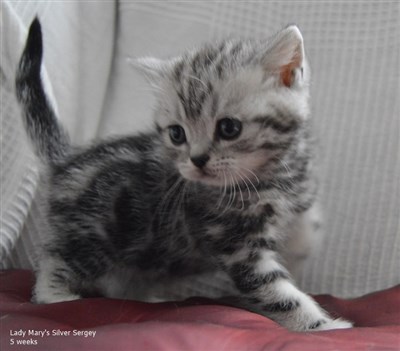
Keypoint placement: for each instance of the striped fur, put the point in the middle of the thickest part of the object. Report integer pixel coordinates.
(225, 181)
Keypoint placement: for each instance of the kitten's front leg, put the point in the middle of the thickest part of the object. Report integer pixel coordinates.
(267, 288)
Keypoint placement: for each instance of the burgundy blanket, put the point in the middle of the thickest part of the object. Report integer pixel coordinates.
(195, 324)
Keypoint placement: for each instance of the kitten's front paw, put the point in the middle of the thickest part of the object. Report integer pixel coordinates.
(333, 324)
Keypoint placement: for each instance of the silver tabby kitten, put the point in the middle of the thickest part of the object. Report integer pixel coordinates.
(224, 182)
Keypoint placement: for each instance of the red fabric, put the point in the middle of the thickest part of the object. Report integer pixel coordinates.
(195, 324)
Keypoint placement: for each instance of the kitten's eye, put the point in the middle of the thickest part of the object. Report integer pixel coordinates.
(177, 134)
(229, 128)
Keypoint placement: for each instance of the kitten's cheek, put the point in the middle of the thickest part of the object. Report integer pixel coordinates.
(188, 172)
(254, 161)
(185, 173)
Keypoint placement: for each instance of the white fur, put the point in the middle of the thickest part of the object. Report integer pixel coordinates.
(268, 263)
(335, 324)
(43, 292)
(304, 238)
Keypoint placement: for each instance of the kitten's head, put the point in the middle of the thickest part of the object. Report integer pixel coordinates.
(228, 112)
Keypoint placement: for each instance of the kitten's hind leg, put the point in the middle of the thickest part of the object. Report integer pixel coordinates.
(54, 282)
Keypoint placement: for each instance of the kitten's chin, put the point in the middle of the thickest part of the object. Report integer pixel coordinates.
(204, 177)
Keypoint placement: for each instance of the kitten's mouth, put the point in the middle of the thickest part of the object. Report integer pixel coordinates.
(206, 173)
(224, 178)
(216, 179)
(204, 176)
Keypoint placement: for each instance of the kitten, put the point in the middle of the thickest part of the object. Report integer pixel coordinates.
(224, 181)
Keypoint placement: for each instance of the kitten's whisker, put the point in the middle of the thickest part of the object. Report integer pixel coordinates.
(252, 184)
(222, 196)
(285, 187)
(236, 182)
(241, 195)
(234, 192)
(289, 171)
(227, 205)
(247, 186)
(280, 185)
(252, 173)
(225, 186)
(286, 166)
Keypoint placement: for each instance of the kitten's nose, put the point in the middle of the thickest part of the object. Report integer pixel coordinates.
(200, 160)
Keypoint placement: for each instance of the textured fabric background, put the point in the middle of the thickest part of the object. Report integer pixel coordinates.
(78, 49)
(353, 48)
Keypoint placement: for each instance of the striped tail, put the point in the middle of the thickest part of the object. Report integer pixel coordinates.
(50, 140)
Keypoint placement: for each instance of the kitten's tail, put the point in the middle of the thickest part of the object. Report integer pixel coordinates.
(47, 135)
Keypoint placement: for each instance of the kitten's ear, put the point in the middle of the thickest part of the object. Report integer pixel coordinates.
(152, 68)
(285, 55)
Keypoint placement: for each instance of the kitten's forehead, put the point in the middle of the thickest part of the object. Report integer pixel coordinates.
(200, 76)
(216, 61)
(221, 80)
